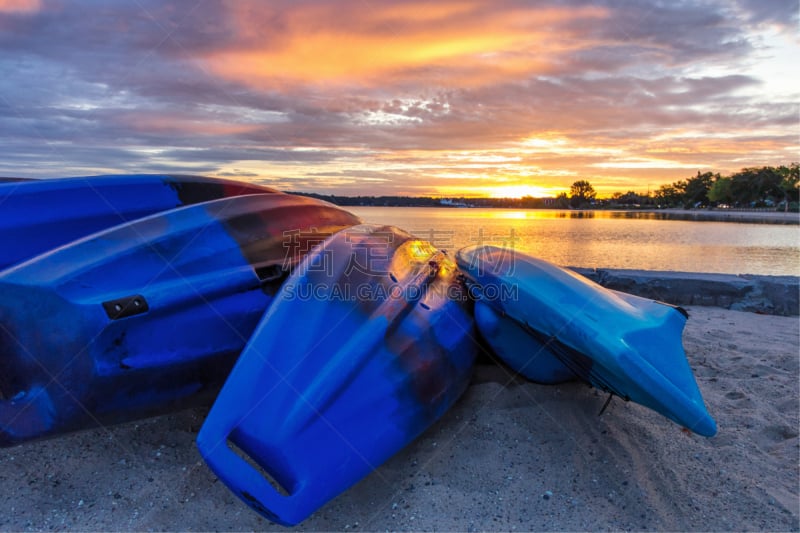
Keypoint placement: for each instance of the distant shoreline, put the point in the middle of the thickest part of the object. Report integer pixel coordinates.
(731, 213)
(698, 215)
(723, 215)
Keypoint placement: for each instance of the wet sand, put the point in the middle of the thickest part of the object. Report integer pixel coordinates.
(510, 456)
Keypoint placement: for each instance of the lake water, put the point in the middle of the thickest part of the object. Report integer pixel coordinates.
(602, 239)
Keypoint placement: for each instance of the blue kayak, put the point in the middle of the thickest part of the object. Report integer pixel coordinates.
(552, 325)
(38, 215)
(145, 317)
(368, 342)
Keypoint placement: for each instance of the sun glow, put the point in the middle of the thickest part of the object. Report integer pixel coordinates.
(518, 191)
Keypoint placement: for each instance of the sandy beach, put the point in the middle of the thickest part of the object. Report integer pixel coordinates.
(510, 456)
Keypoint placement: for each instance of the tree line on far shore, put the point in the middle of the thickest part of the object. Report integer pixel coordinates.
(764, 187)
(750, 187)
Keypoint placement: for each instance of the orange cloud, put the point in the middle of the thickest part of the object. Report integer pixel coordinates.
(364, 44)
(20, 6)
(182, 125)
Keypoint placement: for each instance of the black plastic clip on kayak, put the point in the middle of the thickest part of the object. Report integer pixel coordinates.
(125, 307)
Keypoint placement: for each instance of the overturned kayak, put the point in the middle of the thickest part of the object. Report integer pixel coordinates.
(366, 345)
(38, 215)
(552, 324)
(148, 316)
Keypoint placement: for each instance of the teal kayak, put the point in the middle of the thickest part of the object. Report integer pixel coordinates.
(552, 325)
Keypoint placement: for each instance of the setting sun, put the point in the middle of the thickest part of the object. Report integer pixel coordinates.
(519, 191)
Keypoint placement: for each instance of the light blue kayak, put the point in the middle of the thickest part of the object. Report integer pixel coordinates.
(552, 324)
(367, 343)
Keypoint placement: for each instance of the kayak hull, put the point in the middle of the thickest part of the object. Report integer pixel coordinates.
(145, 317)
(38, 215)
(623, 344)
(367, 344)
(517, 348)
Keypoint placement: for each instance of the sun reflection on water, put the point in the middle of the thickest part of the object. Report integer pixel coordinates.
(605, 239)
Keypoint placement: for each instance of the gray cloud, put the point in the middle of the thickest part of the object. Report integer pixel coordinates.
(780, 12)
(97, 86)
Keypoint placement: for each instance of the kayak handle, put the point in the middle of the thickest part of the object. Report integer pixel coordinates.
(249, 483)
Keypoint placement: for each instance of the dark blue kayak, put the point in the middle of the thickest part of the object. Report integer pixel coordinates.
(38, 215)
(368, 343)
(552, 324)
(145, 317)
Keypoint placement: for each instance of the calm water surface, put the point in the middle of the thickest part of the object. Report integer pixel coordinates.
(606, 240)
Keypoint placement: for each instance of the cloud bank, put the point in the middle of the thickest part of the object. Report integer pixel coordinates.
(396, 97)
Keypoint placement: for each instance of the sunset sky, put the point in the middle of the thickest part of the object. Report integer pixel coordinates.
(473, 98)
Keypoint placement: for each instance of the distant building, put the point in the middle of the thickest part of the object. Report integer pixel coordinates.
(450, 202)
